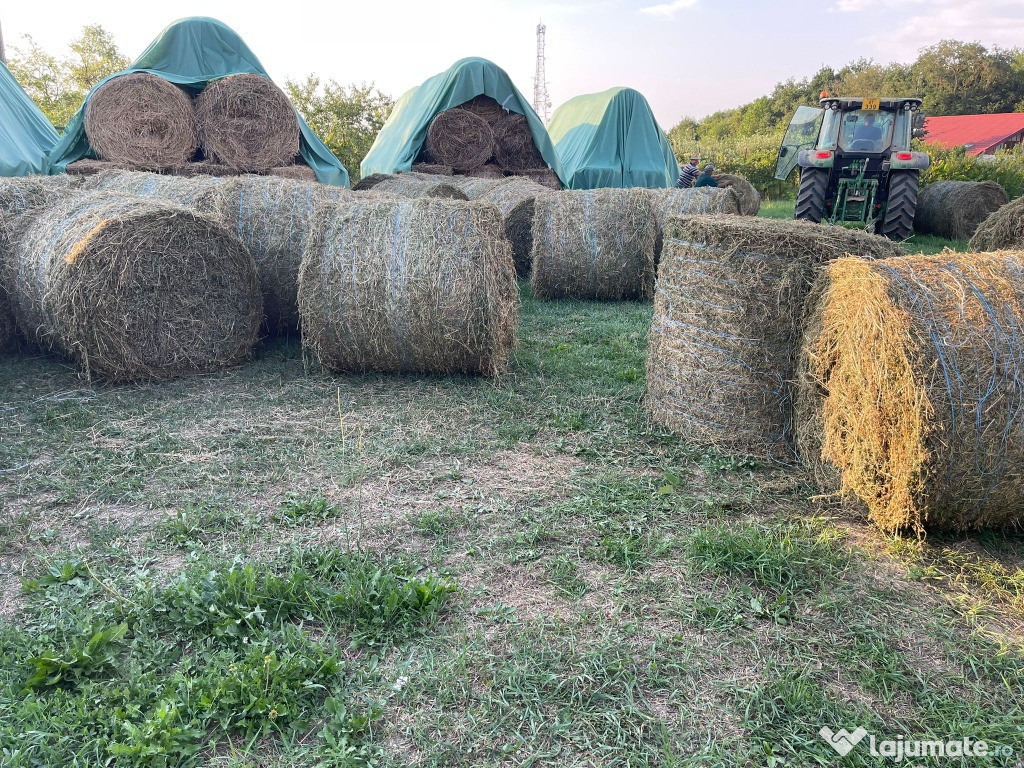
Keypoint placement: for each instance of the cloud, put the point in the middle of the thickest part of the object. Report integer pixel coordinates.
(669, 9)
(992, 22)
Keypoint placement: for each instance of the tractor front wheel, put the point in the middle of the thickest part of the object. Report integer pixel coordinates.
(899, 212)
(810, 199)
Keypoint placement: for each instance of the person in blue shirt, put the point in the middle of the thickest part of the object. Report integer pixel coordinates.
(688, 174)
(706, 179)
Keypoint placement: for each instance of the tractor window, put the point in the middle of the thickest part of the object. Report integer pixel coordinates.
(866, 131)
(801, 134)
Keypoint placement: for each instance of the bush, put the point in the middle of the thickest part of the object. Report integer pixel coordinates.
(752, 157)
(1006, 168)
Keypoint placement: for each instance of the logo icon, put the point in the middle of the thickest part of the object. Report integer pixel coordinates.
(842, 741)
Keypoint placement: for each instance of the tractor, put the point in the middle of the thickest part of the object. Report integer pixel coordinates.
(856, 163)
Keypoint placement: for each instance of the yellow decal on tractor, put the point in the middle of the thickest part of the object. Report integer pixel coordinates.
(871, 105)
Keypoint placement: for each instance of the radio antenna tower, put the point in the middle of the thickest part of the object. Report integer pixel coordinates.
(541, 100)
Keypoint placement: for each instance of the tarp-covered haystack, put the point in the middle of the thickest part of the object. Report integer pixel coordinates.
(914, 366)
(955, 209)
(611, 139)
(471, 119)
(197, 93)
(26, 136)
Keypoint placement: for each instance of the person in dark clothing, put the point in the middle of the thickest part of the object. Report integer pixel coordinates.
(688, 174)
(869, 132)
(706, 179)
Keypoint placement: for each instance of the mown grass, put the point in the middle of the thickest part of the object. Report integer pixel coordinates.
(275, 567)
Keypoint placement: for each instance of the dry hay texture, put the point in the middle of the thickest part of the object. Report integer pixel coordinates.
(485, 171)
(593, 244)
(203, 168)
(543, 176)
(201, 193)
(1002, 231)
(141, 121)
(515, 198)
(272, 217)
(134, 289)
(513, 144)
(89, 167)
(433, 169)
(247, 123)
(460, 139)
(369, 182)
(726, 327)
(486, 108)
(409, 286)
(749, 197)
(295, 172)
(411, 184)
(955, 209)
(919, 368)
(699, 201)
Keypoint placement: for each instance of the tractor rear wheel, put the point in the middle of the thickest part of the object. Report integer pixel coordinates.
(899, 212)
(810, 200)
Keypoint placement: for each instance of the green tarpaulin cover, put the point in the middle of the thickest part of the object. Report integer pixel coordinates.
(402, 137)
(192, 52)
(611, 139)
(26, 136)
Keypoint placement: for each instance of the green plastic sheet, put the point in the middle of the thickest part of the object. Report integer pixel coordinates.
(611, 139)
(402, 137)
(192, 52)
(26, 136)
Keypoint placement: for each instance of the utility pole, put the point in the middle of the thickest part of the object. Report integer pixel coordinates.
(3, 51)
(541, 100)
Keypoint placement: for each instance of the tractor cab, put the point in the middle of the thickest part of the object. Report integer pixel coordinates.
(851, 154)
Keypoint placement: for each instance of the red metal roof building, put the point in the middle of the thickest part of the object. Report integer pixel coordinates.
(980, 134)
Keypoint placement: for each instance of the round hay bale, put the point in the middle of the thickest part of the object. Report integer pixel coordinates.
(7, 326)
(141, 121)
(486, 108)
(294, 172)
(515, 199)
(513, 144)
(433, 169)
(247, 123)
(1002, 231)
(369, 182)
(700, 201)
(543, 176)
(593, 244)
(203, 168)
(460, 139)
(485, 171)
(749, 197)
(727, 313)
(917, 364)
(955, 209)
(133, 289)
(89, 167)
(418, 185)
(201, 193)
(21, 196)
(409, 286)
(272, 217)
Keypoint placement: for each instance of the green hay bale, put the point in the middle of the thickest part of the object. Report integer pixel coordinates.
(1002, 231)
(727, 322)
(593, 244)
(409, 286)
(749, 197)
(273, 217)
(955, 209)
(134, 289)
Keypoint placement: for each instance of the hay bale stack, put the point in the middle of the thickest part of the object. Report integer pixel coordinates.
(702, 201)
(21, 197)
(201, 193)
(543, 176)
(294, 172)
(749, 197)
(460, 139)
(89, 167)
(955, 209)
(133, 289)
(513, 144)
(724, 337)
(919, 368)
(141, 121)
(272, 217)
(247, 123)
(515, 199)
(203, 168)
(485, 171)
(593, 244)
(409, 286)
(486, 108)
(1002, 231)
(433, 169)
(416, 185)
(369, 182)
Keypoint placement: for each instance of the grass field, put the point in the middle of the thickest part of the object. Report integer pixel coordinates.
(279, 567)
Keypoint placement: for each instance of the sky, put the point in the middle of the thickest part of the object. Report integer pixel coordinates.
(688, 57)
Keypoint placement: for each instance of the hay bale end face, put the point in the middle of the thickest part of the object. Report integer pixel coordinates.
(1002, 231)
(486, 108)
(272, 217)
(409, 286)
(955, 209)
(726, 326)
(460, 139)
(513, 144)
(247, 123)
(917, 364)
(135, 290)
(748, 196)
(141, 121)
(593, 244)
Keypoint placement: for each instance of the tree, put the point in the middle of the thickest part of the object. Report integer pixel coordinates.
(59, 86)
(346, 119)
